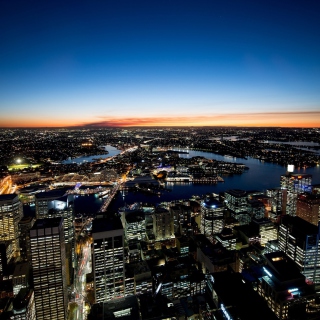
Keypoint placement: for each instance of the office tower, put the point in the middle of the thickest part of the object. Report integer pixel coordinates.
(54, 204)
(285, 289)
(49, 268)
(162, 224)
(299, 239)
(139, 278)
(20, 278)
(25, 224)
(134, 225)
(23, 306)
(10, 215)
(276, 196)
(211, 217)
(6, 254)
(294, 184)
(256, 209)
(108, 259)
(267, 230)
(182, 244)
(308, 207)
(236, 200)
(181, 213)
(227, 239)
(214, 257)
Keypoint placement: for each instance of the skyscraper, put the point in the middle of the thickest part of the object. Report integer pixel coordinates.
(10, 215)
(162, 224)
(211, 217)
(299, 239)
(25, 225)
(54, 204)
(294, 184)
(49, 268)
(308, 207)
(108, 259)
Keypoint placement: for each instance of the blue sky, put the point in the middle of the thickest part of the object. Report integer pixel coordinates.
(119, 63)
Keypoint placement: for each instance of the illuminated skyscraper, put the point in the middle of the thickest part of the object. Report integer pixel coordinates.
(211, 217)
(294, 184)
(108, 259)
(10, 215)
(49, 269)
(299, 239)
(162, 224)
(54, 204)
(308, 208)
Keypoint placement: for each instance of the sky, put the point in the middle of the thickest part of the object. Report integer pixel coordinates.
(160, 63)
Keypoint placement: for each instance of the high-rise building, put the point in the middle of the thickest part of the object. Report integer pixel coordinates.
(23, 306)
(299, 239)
(6, 255)
(227, 239)
(54, 204)
(286, 290)
(10, 215)
(162, 224)
(49, 268)
(294, 184)
(134, 225)
(20, 278)
(25, 224)
(276, 196)
(267, 230)
(236, 200)
(181, 213)
(108, 259)
(308, 207)
(211, 217)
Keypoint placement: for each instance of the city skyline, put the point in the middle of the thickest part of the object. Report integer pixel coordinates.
(164, 63)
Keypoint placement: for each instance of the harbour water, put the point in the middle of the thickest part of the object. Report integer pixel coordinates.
(260, 176)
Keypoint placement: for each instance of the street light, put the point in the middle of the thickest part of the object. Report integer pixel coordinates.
(18, 161)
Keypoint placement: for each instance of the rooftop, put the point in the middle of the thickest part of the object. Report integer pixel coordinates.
(47, 223)
(106, 224)
(242, 301)
(282, 267)
(7, 197)
(54, 194)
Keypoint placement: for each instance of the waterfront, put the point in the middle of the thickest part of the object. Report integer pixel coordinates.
(260, 176)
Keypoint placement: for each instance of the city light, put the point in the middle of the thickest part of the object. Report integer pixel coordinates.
(267, 272)
(225, 312)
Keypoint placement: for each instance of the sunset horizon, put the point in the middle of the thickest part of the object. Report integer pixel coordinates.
(172, 64)
(298, 120)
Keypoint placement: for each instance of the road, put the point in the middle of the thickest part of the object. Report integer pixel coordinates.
(80, 280)
(6, 185)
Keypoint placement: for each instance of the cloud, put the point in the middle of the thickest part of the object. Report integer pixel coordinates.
(281, 118)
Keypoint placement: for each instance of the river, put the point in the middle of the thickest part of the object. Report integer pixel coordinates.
(112, 151)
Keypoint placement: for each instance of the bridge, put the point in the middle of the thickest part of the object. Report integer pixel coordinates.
(110, 197)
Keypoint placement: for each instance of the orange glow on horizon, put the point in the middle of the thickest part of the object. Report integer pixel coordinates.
(307, 119)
